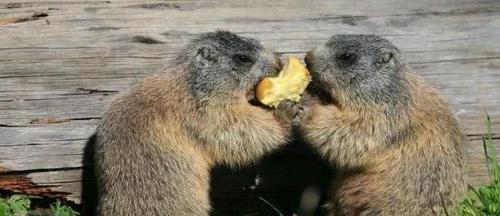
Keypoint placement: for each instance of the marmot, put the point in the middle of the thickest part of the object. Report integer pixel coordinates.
(158, 141)
(394, 138)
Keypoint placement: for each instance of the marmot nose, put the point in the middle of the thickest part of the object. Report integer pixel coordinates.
(308, 59)
(277, 63)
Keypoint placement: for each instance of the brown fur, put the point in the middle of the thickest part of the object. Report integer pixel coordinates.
(154, 123)
(408, 161)
(156, 145)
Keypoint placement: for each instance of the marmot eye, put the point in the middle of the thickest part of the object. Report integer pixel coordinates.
(347, 57)
(242, 58)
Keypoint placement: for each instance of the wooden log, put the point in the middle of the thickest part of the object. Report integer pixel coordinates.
(60, 69)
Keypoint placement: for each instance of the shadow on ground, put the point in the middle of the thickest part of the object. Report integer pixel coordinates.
(272, 187)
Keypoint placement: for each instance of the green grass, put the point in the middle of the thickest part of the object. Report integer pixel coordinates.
(484, 200)
(62, 210)
(20, 205)
(16, 205)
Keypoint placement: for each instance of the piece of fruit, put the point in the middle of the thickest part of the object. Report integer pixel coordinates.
(289, 84)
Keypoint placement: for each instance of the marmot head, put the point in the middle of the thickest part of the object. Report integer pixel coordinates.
(222, 63)
(357, 70)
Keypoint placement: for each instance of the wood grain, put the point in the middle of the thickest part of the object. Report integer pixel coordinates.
(58, 71)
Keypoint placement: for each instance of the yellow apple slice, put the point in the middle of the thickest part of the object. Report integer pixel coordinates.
(289, 84)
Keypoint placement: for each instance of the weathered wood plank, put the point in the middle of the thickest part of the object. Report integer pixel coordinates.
(63, 180)
(62, 69)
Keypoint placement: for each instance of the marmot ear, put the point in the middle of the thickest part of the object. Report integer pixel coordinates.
(206, 54)
(384, 56)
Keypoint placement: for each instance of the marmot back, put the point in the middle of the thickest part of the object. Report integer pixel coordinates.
(395, 140)
(158, 141)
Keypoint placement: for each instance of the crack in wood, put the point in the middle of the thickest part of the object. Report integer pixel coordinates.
(94, 91)
(13, 5)
(104, 28)
(35, 16)
(30, 76)
(88, 57)
(8, 125)
(158, 6)
(456, 12)
(45, 48)
(47, 142)
(457, 60)
(49, 120)
(145, 40)
(4, 171)
(481, 135)
(347, 19)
